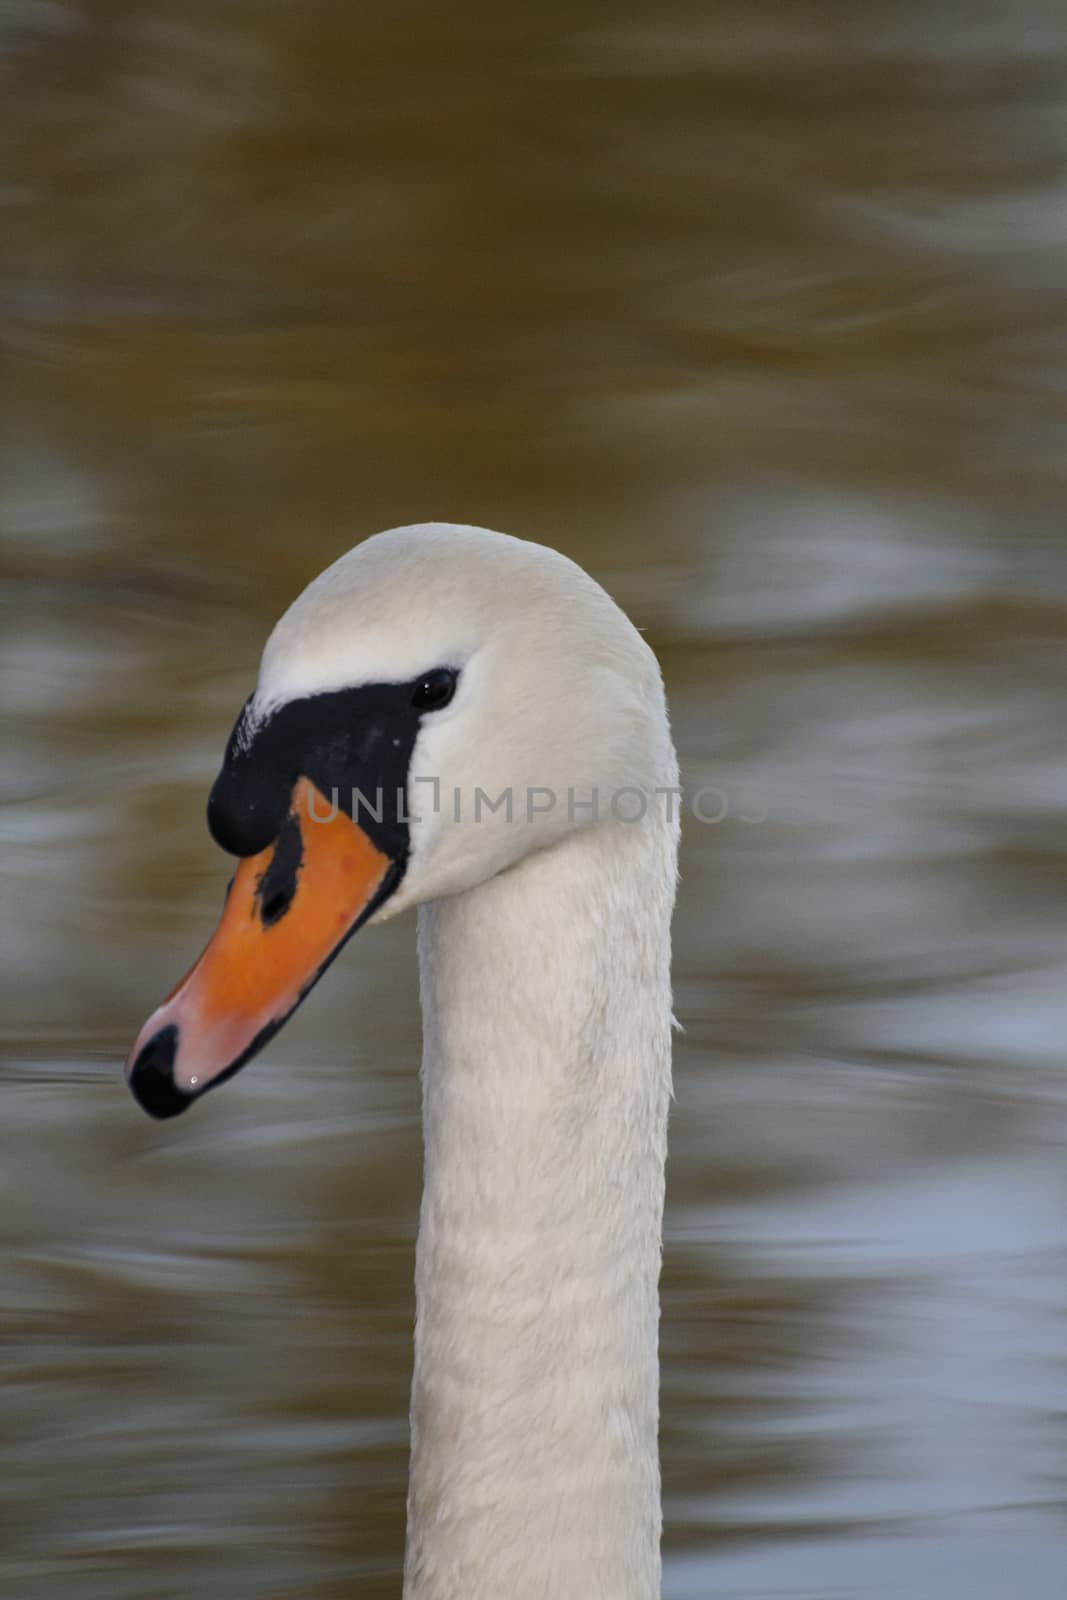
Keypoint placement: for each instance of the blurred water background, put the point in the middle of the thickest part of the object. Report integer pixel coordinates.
(759, 312)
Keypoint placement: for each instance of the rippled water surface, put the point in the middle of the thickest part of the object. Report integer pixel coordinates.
(758, 311)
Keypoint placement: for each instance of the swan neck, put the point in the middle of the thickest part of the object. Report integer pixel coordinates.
(546, 1080)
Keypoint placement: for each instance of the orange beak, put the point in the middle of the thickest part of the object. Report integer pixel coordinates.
(288, 912)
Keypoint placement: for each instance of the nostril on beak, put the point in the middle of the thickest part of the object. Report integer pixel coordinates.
(276, 905)
(152, 1076)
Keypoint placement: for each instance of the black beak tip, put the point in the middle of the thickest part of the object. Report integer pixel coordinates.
(152, 1076)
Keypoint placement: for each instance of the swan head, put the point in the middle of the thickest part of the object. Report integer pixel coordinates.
(439, 703)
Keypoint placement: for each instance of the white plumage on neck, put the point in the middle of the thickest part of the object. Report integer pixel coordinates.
(546, 1079)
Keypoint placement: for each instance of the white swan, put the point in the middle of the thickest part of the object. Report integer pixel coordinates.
(446, 661)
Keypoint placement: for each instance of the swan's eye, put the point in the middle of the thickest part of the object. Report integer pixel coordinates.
(435, 689)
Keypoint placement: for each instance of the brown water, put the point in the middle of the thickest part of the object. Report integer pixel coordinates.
(759, 312)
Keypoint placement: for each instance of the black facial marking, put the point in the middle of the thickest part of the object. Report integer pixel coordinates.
(353, 744)
(277, 886)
